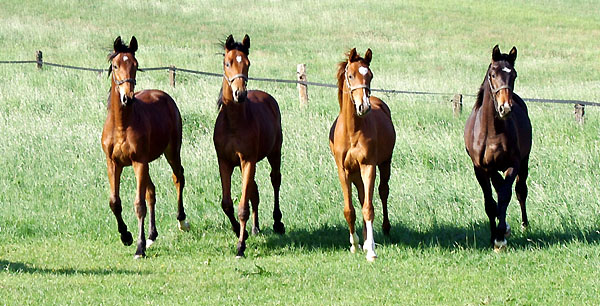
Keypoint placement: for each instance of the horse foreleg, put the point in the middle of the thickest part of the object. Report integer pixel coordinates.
(275, 162)
(225, 171)
(367, 172)
(348, 207)
(360, 190)
(504, 192)
(384, 192)
(151, 202)
(114, 178)
(248, 170)
(491, 208)
(143, 177)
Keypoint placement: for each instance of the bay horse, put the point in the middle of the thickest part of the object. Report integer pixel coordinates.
(498, 139)
(361, 138)
(139, 127)
(247, 129)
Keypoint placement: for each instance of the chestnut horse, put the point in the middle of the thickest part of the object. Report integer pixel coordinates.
(498, 138)
(139, 128)
(362, 138)
(248, 129)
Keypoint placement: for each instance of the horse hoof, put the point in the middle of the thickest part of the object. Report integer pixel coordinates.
(279, 228)
(239, 257)
(127, 239)
(353, 249)
(149, 242)
(507, 233)
(371, 256)
(137, 256)
(183, 226)
(255, 230)
(499, 246)
(524, 227)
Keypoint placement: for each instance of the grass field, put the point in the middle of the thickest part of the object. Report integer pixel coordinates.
(58, 238)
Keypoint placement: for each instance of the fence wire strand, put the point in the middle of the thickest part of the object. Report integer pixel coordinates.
(305, 83)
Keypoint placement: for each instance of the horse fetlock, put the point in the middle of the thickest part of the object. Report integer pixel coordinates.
(354, 242)
(183, 226)
(255, 230)
(241, 247)
(507, 232)
(149, 242)
(499, 246)
(371, 256)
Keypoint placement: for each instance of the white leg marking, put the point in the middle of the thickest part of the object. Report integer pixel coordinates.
(369, 245)
(353, 242)
(183, 226)
(149, 243)
(499, 245)
(137, 256)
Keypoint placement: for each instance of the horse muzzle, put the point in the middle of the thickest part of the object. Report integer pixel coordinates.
(239, 95)
(504, 110)
(126, 98)
(363, 109)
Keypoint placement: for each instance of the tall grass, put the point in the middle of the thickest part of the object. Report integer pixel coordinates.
(58, 238)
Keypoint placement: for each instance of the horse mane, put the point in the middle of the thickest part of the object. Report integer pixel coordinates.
(479, 100)
(341, 75)
(220, 98)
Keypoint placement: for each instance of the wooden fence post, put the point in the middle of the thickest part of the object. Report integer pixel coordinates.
(457, 105)
(172, 75)
(579, 113)
(302, 88)
(38, 58)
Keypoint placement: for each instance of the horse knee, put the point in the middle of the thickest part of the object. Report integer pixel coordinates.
(140, 208)
(227, 206)
(115, 204)
(368, 212)
(384, 190)
(276, 178)
(244, 214)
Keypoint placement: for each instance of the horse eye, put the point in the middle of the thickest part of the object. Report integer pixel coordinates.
(115, 67)
(493, 75)
(227, 64)
(350, 77)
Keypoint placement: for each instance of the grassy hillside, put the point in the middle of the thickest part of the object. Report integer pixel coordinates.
(58, 238)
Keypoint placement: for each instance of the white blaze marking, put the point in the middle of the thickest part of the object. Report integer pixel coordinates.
(238, 58)
(125, 58)
(363, 70)
(506, 69)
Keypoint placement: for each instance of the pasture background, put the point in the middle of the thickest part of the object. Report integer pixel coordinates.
(58, 237)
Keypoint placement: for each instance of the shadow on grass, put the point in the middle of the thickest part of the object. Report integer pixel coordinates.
(474, 236)
(19, 267)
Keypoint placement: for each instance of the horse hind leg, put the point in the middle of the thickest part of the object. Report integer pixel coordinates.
(275, 162)
(151, 202)
(384, 192)
(173, 158)
(254, 200)
(521, 191)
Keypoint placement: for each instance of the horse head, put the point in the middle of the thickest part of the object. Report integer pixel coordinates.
(235, 67)
(501, 77)
(123, 67)
(357, 78)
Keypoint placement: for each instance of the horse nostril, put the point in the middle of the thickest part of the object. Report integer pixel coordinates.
(501, 109)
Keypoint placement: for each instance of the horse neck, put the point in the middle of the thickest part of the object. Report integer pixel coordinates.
(352, 123)
(120, 114)
(235, 113)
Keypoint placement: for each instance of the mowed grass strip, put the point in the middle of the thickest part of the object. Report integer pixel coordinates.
(58, 238)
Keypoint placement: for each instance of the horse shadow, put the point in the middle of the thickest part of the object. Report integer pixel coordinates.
(474, 236)
(20, 267)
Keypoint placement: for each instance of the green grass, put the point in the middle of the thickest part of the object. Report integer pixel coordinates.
(58, 237)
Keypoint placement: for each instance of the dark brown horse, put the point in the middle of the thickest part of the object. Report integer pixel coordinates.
(248, 129)
(139, 128)
(362, 138)
(498, 139)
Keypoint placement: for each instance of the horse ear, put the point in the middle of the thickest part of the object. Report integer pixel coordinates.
(246, 41)
(133, 45)
(229, 42)
(352, 55)
(117, 44)
(368, 56)
(512, 55)
(496, 55)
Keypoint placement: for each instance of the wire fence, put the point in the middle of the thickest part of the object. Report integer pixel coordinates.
(40, 63)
